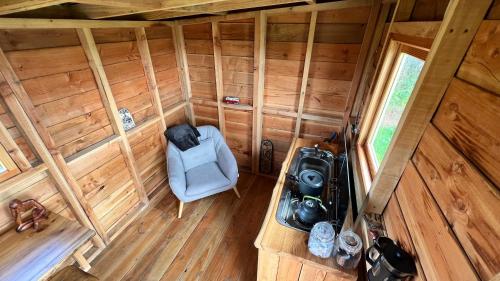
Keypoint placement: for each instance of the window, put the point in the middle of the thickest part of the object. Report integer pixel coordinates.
(408, 70)
(392, 90)
(8, 168)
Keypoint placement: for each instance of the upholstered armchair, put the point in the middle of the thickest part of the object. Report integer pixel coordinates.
(203, 170)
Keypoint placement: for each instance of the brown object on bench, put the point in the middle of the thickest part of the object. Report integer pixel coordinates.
(72, 273)
(38, 213)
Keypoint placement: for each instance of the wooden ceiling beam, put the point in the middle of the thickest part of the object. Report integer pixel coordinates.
(15, 6)
(9, 23)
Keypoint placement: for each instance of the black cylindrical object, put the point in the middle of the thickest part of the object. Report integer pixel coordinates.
(311, 182)
(392, 262)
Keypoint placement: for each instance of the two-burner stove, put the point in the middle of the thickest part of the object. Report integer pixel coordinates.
(334, 199)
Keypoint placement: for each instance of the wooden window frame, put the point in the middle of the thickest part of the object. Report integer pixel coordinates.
(9, 164)
(381, 91)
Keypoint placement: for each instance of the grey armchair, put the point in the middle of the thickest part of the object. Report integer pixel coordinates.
(203, 170)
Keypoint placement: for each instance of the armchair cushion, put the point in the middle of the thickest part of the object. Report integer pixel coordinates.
(199, 155)
(204, 178)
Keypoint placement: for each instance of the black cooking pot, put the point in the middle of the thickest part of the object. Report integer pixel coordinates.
(310, 182)
(392, 262)
(310, 210)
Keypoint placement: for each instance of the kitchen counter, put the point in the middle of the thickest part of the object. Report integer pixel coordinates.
(283, 251)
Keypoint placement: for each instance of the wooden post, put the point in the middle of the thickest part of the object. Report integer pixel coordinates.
(377, 36)
(142, 45)
(180, 53)
(13, 149)
(219, 82)
(81, 260)
(259, 61)
(460, 24)
(361, 63)
(108, 100)
(23, 111)
(378, 69)
(305, 73)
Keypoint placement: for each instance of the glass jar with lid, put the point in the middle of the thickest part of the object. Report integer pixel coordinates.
(348, 249)
(321, 240)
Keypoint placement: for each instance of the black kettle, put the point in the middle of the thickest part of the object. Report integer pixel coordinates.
(392, 262)
(311, 210)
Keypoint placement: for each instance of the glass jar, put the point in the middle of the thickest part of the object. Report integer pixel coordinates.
(321, 240)
(348, 248)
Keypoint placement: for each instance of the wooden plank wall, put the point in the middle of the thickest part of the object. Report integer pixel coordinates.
(161, 47)
(37, 184)
(60, 85)
(285, 53)
(337, 43)
(57, 78)
(122, 64)
(106, 184)
(237, 51)
(18, 136)
(200, 59)
(450, 188)
(337, 40)
(335, 53)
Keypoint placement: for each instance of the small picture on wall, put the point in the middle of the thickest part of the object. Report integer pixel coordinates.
(127, 119)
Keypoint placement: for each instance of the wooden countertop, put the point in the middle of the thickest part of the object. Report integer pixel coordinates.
(286, 241)
(31, 255)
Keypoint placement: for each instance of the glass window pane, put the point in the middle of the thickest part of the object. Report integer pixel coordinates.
(399, 94)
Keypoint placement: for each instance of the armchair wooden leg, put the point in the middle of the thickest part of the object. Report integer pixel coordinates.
(236, 191)
(181, 205)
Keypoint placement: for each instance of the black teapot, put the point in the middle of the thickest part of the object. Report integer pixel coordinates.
(392, 262)
(311, 210)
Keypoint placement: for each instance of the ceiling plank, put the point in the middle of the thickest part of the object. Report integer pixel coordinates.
(143, 4)
(272, 11)
(100, 12)
(214, 8)
(15, 6)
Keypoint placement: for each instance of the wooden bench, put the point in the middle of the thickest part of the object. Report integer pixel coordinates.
(31, 255)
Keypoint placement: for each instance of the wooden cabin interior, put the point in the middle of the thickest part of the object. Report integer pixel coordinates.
(405, 95)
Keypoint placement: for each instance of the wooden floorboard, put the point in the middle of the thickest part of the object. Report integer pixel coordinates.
(212, 241)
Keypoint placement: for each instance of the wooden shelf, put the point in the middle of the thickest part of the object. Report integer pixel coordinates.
(245, 107)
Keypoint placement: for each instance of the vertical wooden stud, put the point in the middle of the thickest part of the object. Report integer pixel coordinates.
(219, 83)
(379, 67)
(361, 63)
(147, 63)
(180, 53)
(13, 149)
(108, 100)
(305, 73)
(259, 61)
(377, 36)
(459, 25)
(23, 111)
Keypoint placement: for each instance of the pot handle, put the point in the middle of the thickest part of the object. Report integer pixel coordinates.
(292, 178)
(369, 253)
(317, 199)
